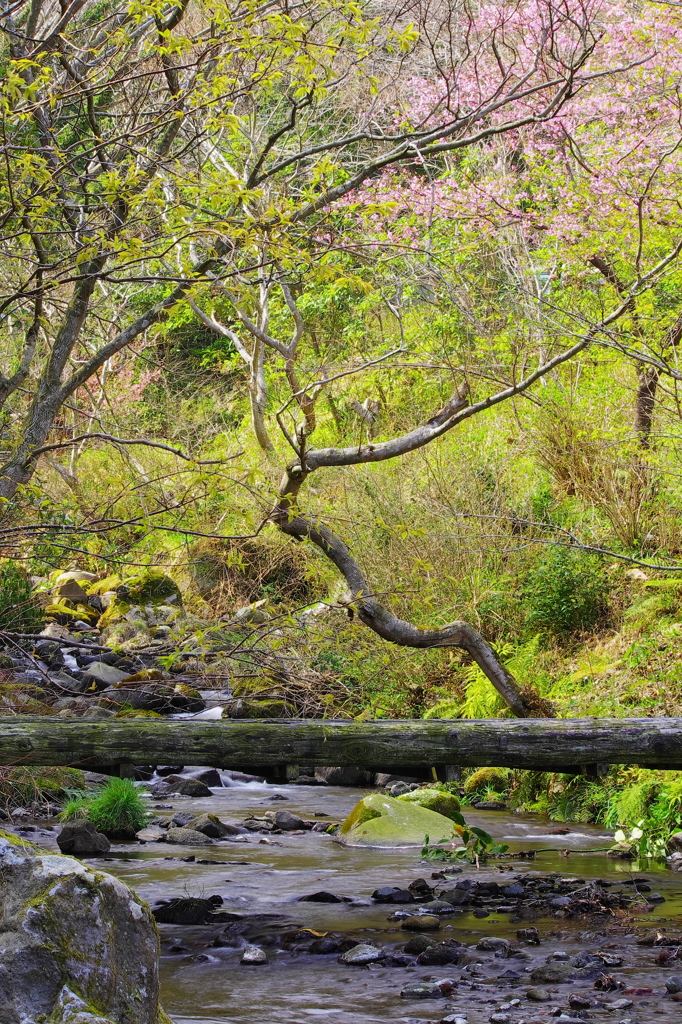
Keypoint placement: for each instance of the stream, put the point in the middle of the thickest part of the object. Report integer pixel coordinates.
(262, 878)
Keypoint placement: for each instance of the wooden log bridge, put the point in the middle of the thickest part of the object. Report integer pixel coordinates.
(544, 744)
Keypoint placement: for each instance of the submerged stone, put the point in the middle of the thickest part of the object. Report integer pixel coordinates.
(383, 821)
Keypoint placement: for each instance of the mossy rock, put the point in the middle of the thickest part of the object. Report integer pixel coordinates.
(259, 709)
(114, 614)
(386, 822)
(84, 947)
(487, 778)
(151, 587)
(434, 800)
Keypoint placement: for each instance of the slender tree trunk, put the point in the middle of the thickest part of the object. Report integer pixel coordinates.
(645, 403)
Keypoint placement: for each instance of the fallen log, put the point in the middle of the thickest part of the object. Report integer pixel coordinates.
(516, 743)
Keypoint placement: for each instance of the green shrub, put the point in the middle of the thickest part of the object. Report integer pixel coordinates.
(566, 593)
(19, 610)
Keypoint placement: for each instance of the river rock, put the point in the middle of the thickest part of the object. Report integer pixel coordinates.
(379, 820)
(538, 995)
(209, 776)
(187, 837)
(184, 910)
(433, 800)
(323, 897)
(73, 940)
(286, 821)
(187, 787)
(553, 974)
(392, 894)
(421, 923)
(437, 907)
(345, 776)
(439, 955)
(82, 839)
(362, 954)
(99, 675)
(213, 827)
(254, 955)
(428, 990)
(673, 985)
(151, 834)
(493, 944)
(418, 943)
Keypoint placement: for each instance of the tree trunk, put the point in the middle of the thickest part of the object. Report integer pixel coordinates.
(389, 626)
(543, 744)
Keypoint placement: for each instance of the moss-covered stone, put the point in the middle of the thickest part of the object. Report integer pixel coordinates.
(434, 800)
(150, 587)
(383, 821)
(84, 947)
(259, 709)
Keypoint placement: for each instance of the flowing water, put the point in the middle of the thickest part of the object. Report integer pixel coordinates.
(205, 984)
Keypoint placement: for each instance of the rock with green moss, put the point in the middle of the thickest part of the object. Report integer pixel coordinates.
(77, 945)
(259, 709)
(433, 800)
(379, 820)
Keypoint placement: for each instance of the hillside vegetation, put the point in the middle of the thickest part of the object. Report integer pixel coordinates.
(357, 325)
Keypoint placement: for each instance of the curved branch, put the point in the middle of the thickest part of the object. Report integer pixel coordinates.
(384, 622)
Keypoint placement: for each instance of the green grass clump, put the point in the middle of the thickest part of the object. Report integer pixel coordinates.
(74, 810)
(117, 810)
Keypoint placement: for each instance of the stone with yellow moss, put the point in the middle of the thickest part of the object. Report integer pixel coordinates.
(77, 946)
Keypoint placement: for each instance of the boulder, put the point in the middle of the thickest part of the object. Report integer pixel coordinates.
(77, 946)
(187, 787)
(187, 837)
(383, 821)
(82, 839)
(433, 800)
(345, 776)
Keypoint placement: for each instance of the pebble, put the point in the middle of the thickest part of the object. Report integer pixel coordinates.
(674, 984)
(254, 955)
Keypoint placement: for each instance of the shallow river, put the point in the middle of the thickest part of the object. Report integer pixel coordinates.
(202, 983)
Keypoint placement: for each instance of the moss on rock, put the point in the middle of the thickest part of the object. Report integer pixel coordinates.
(434, 800)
